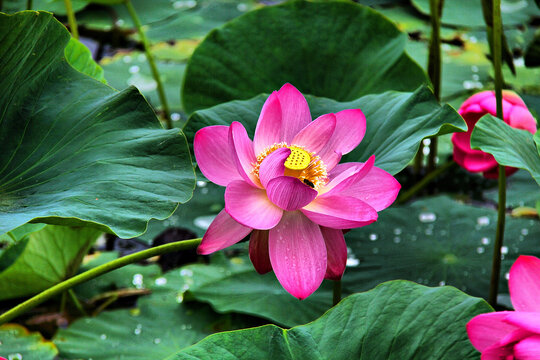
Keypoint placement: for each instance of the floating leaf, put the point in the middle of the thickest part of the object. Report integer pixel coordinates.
(396, 320)
(17, 343)
(509, 146)
(337, 50)
(396, 122)
(74, 150)
(435, 241)
(42, 259)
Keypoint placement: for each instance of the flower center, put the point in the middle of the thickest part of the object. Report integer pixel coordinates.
(301, 164)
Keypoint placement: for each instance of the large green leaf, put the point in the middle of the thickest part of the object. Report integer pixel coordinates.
(56, 6)
(73, 149)
(396, 122)
(334, 49)
(396, 320)
(509, 146)
(16, 343)
(42, 259)
(469, 12)
(436, 241)
(234, 286)
(159, 326)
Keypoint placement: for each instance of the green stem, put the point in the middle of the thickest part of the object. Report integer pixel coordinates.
(28, 4)
(63, 300)
(337, 292)
(76, 301)
(151, 62)
(71, 19)
(426, 180)
(499, 235)
(95, 272)
(434, 68)
(418, 160)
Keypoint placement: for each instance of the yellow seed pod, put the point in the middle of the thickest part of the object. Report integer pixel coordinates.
(299, 159)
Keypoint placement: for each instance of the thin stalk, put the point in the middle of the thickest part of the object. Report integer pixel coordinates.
(28, 4)
(63, 301)
(434, 68)
(426, 180)
(71, 19)
(151, 62)
(499, 235)
(337, 292)
(95, 272)
(76, 302)
(418, 161)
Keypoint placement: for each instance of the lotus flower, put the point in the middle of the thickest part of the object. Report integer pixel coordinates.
(287, 189)
(515, 114)
(512, 335)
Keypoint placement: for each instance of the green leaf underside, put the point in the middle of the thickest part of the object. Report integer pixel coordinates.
(44, 258)
(396, 122)
(80, 58)
(77, 152)
(396, 320)
(294, 42)
(17, 343)
(509, 146)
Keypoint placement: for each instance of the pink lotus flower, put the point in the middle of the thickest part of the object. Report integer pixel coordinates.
(287, 189)
(515, 114)
(512, 335)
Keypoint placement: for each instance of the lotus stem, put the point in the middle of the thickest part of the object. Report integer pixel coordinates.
(151, 62)
(28, 4)
(95, 272)
(426, 180)
(337, 292)
(71, 19)
(76, 302)
(499, 235)
(434, 68)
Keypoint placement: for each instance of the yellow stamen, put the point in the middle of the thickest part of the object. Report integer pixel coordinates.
(301, 164)
(299, 159)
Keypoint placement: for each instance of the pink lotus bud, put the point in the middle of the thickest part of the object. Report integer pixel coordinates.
(515, 114)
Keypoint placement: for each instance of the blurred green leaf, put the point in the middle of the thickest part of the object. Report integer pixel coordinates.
(322, 48)
(78, 56)
(42, 259)
(17, 343)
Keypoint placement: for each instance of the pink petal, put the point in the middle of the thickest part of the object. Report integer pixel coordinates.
(336, 250)
(486, 330)
(345, 175)
(498, 353)
(242, 149)
(250, 206)
(513, 98)
(213, 155)
(377, 188)
(528, 349)
(268, 125)
(476, 99)
(297, 254)
(295, 113)
(524, 284)
(340, 212)
(273, 165)
(521, 118)
(349, 132)
(258, 251)
(289, 193)
(471, 160)
(223, 232)
(529, 321)
(315, 136)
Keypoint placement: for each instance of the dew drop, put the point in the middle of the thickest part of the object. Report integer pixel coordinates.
(373, 237)
(201, 183)
(137, 281)
(157, 341)
(504, 250)
(138, 329)
(397, 240)
(375, 250)
(126, 59)
(483, 221)
(507, 276)
(242, 7)
(175, 116)
(160, 281)
(352, 262)
(134, 69)
(397, 231)
(480, 250)
(427, 217)
(485, 241)
(204, 222)
(442, 283)
(524, 232)
(103, 337)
